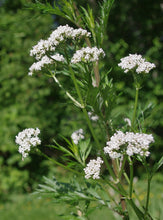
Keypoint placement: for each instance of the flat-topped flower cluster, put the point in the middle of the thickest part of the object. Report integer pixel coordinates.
(137, 63)
(128, 143)
(45, 60)
(77, 135)
(26, 139)
(62, 33)
(93, 168)
(87, 55)
(45, 50)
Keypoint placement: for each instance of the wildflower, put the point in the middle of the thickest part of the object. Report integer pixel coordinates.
(26, 139)
(45, 61)
(65, 32)
(77, 135)
(137, 63)
(93, 168)
(128, 143)
(78, 33)
(61, 34)
(41, 48)
(93, 117)
(87, 54)
(44, 47)
(128, 121)
(113, 146)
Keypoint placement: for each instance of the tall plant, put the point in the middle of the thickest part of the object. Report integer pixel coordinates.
(76, 54)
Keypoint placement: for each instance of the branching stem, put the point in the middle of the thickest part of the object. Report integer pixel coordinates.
(90, 125)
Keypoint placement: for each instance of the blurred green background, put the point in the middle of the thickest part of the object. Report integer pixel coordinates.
(134, 27)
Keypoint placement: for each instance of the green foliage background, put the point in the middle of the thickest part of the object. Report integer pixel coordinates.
(24, 101)
(134, 27)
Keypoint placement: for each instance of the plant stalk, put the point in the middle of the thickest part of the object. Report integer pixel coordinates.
(90, 125)
(135, 108)
(131, 179)
(148, 194)
(138, 212)
(57, 163)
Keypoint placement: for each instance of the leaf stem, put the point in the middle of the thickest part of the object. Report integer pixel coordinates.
(67, 93)
(135, 108)
(57, 163)
(148, 194)
(122, 167)
(131, 178)
(89, 124)
(138, 212)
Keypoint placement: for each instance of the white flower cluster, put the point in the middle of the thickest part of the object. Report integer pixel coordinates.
(40, 49)
(128, 143)
(27, 138)
(65, 32)
(137, 63)
(87, 54)
(62, 33)
(92, 116)
(93, 168)
(77, 135)
(45, 61)
(58, 36)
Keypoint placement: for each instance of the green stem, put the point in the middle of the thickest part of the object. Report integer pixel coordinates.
(57, 163)
(97, 75)
(102, 182)
(128, 181)
(148, 194)
(67, 93)
(148, 188)
(122, 167)
(131, 178)
(135, 108)
(138, 212)
(90, 125)
(112, 186)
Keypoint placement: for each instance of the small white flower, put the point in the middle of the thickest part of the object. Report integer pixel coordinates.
(93, 117)
(45, 61)
(128, 121)
(77, 135)
(26, 139)
(58, 57)
(80, 33)
(62, 33)
(93, 168)
(39, 50)
(137, 63)
(87, 54)
(44, 47)
(128, 143)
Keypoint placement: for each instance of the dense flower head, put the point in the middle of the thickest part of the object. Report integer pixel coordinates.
(48, 46)
(45, 61)
(65, 32)
(40, 49)
(93, 168)
(26, 139)
(128, 143)
(87, 54)
(77, 135)
(62, 33)
(137, 63)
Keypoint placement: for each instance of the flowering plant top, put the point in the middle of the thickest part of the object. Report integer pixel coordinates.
(137, 63)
